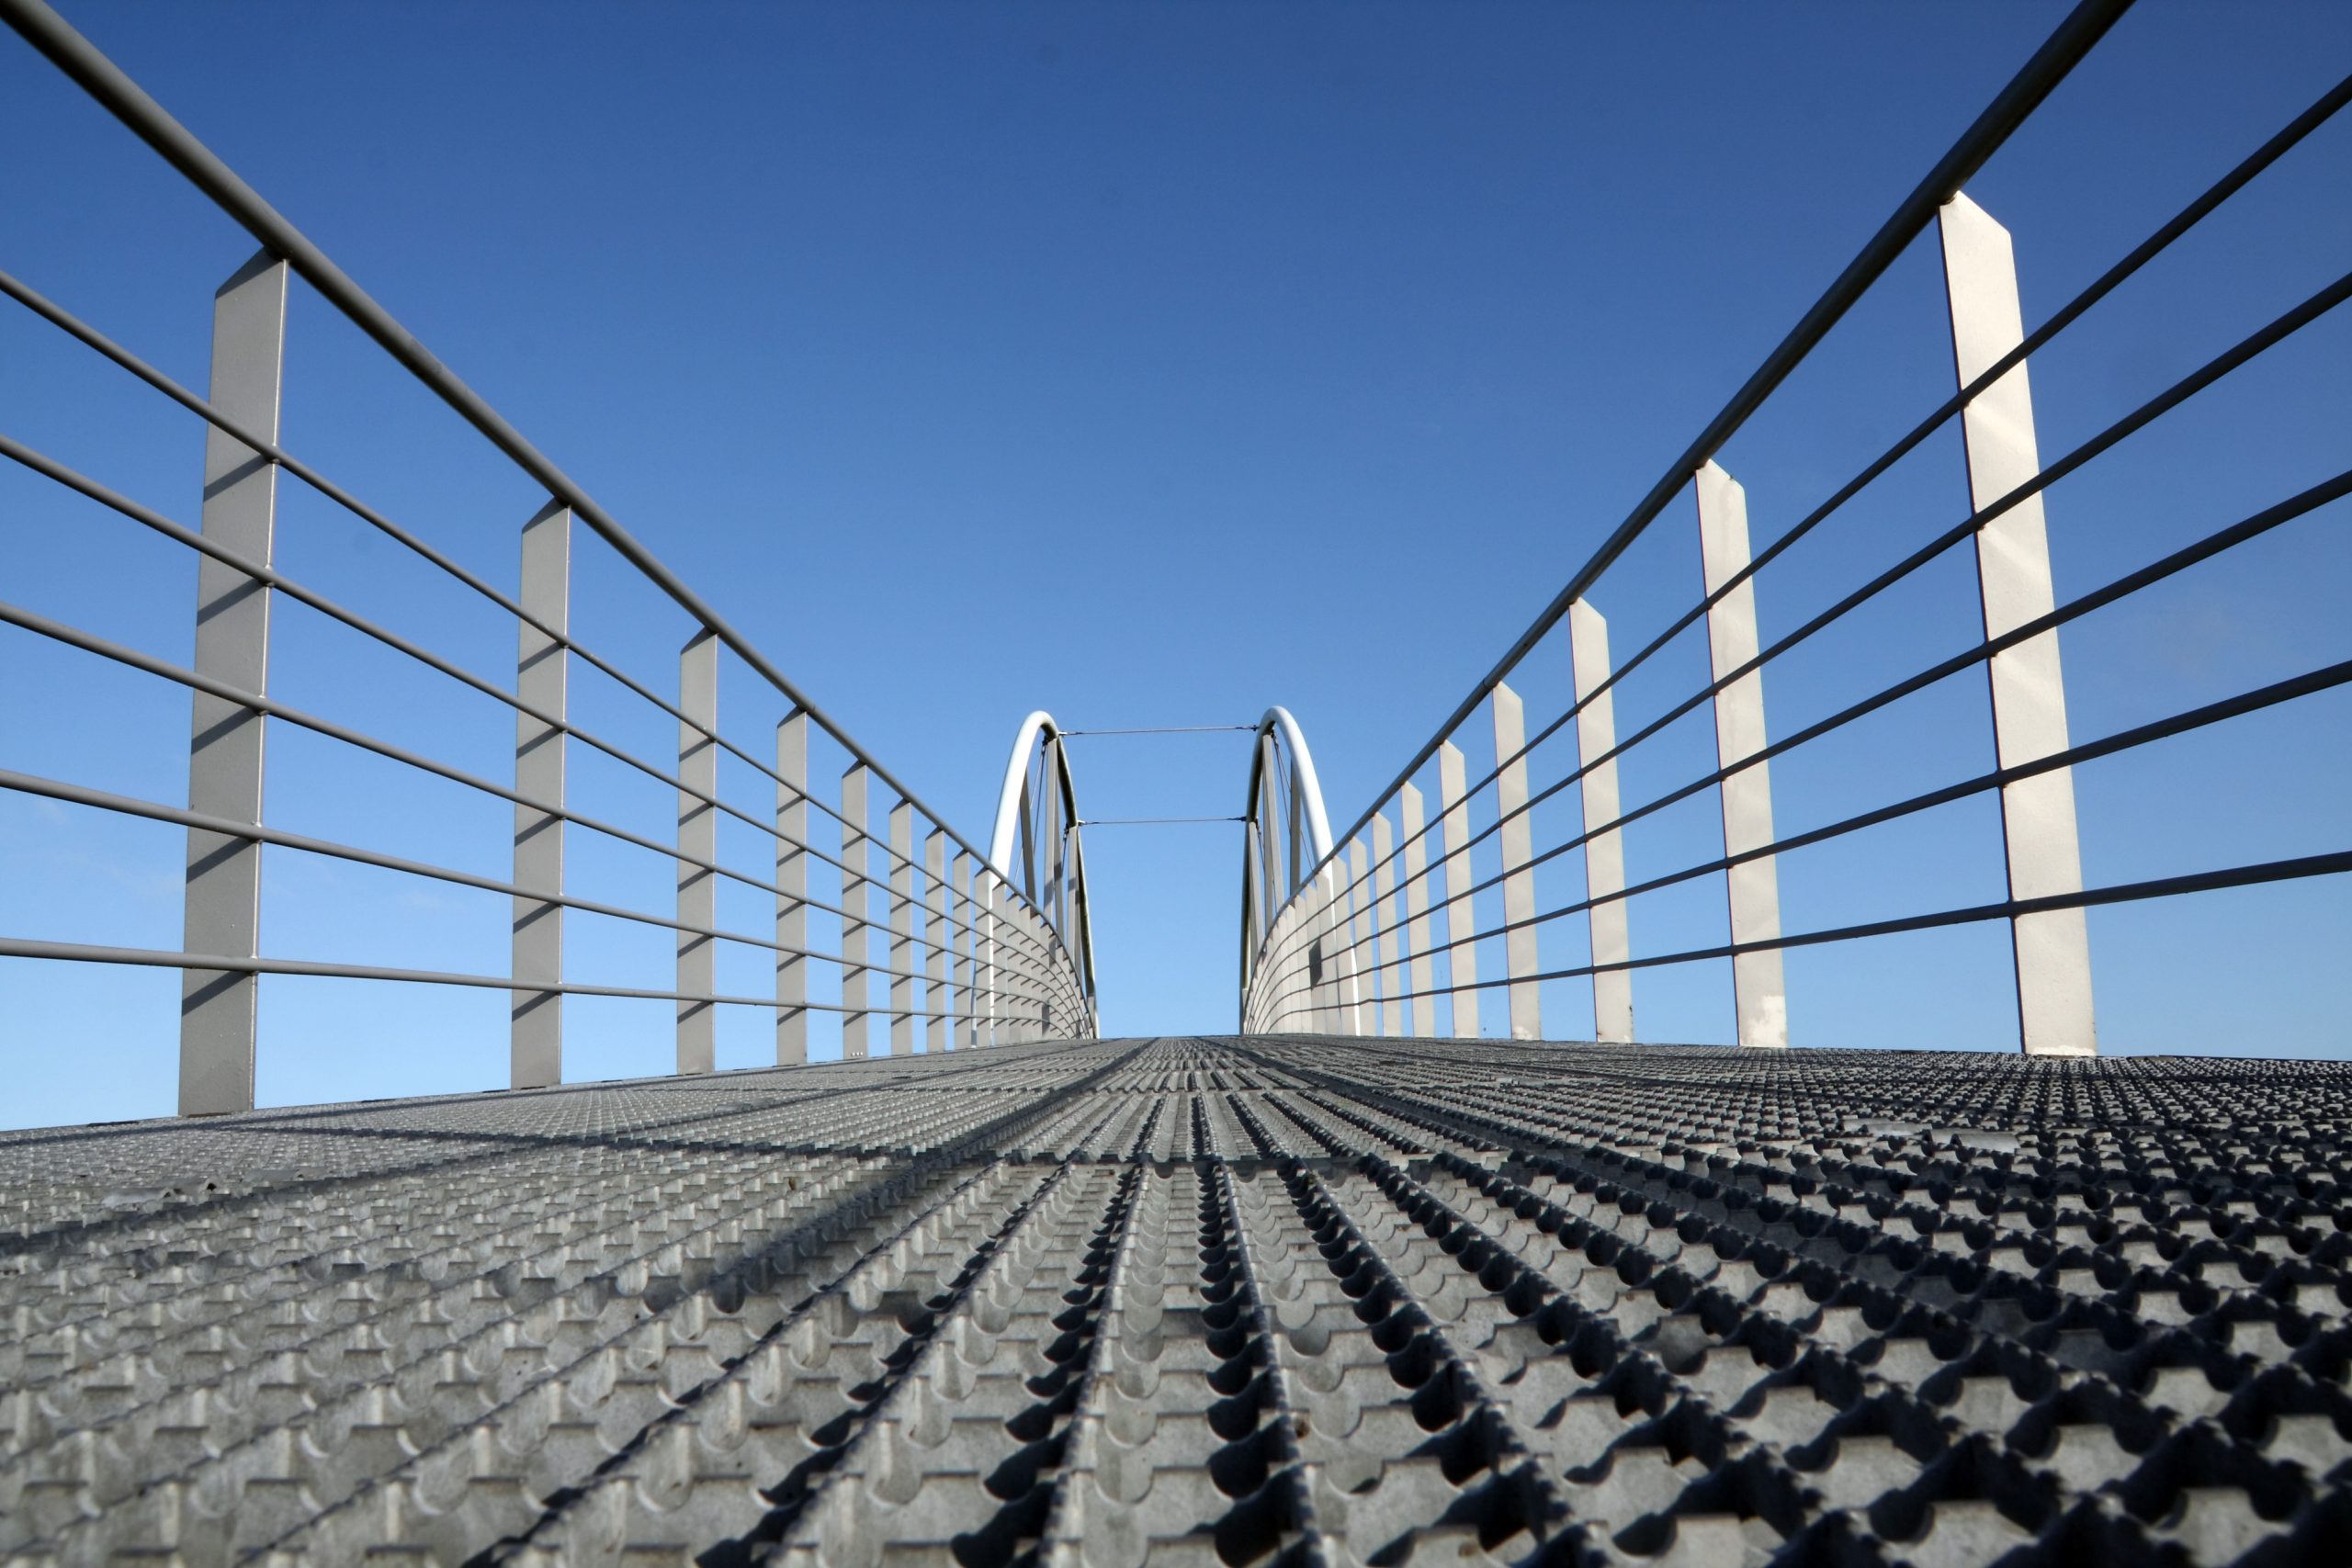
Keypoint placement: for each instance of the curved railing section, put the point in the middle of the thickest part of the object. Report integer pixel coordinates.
(1546, 881)
(1286, 840)
(1038, 846)
(890, 938)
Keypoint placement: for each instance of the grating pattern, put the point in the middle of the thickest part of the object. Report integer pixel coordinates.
(1202, 1302)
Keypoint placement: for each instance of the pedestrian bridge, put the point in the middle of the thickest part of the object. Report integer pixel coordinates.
(1442, 1255)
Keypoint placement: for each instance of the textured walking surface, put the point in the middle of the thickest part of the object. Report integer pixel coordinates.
(1203, 1300)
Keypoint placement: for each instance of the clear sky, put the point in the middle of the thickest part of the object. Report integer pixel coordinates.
(1152, 364)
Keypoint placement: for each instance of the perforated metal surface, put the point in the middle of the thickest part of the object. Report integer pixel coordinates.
(1199, 1301)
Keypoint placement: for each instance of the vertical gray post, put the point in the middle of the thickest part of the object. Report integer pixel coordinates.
(1461, 919)
(855, 999)
(963, 1017)
(936, 934)
(1384, 882)
(1517, 837)
(697, 841)
(1753, 886)
(1338, 917)
(792, 894)
(985, 1009)
(1299, 983)
(1037, 1008)
(1604, 849)
(903, 929)
(1363, 1011)
(2052, 948)
(535, 1024)
(1321, 990)
(1417, 911)
(1279, 1000)
(1013, 962)
(222, 908)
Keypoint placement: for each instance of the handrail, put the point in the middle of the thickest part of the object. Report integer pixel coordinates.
(995, 967)
(1334, 958)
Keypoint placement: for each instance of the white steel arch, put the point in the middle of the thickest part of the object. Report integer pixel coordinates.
(1287, 835)
(1037, 845)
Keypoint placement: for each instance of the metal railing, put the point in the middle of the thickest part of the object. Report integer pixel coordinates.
(970, 955)
(1356, 949)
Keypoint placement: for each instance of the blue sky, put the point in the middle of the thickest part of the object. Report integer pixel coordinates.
(1151, 364)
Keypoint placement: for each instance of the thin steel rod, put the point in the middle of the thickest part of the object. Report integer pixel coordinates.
(2246, 349)
(159, 958)
(73, 637)
(1147, 821)
(2326, 678)
(121, 96)
(155, 811)
(1163, 730)
(2329, 864)
(2074, 38)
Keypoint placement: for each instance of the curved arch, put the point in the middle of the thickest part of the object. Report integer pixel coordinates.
(1299, 840)
(1036, 815)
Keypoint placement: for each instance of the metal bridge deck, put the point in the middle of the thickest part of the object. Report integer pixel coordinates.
(1203, 1300)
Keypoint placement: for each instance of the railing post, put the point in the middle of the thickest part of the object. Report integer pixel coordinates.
(985, 1009)
(1518, 845)
(1363, 1016)
(2028, 690)
(961, 1008)
(1385, 925)
(1322, 985)
(1461, 919)
(937, 933)
(856, 1000)
(1604, 847)
(1013, 961)
(698, 838)
(1417, 910)
(1753, 886)
(222, 900)
(1341, 967)
(792, 895)
(535, 1022)
(1037, 956)
(1306, 962)
(903, 929)
(1300, 985)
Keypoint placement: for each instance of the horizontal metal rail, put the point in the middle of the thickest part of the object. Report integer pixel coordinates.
(2294, 869)
(155, 811)
(2308, 685)
(48, 467)
(158, 958)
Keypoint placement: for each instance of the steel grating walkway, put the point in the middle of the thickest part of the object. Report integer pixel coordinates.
(1203, 1300)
